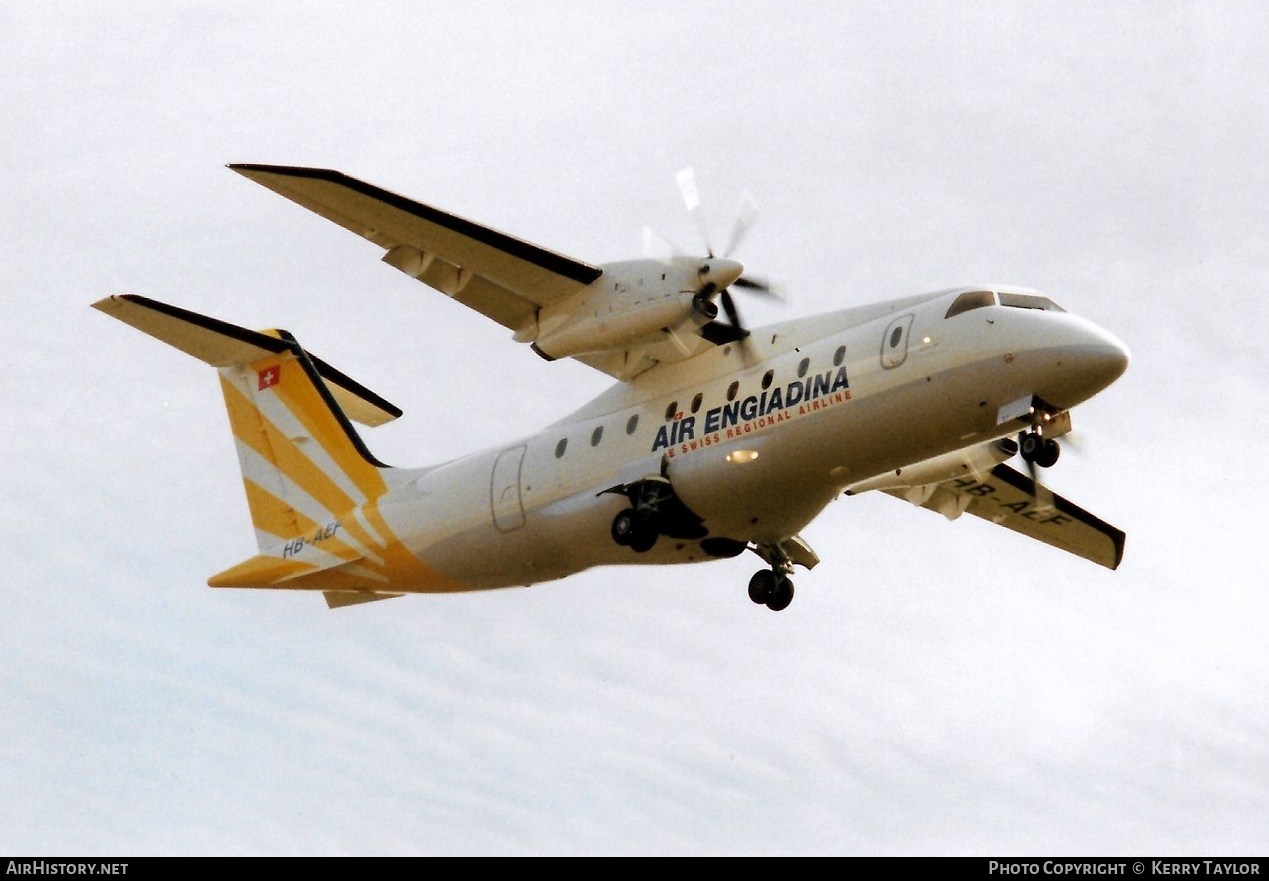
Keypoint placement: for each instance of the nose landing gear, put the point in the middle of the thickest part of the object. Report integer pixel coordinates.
(1038, 450)
(773, 587)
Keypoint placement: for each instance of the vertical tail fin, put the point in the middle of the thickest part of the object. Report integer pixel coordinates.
(303, 465)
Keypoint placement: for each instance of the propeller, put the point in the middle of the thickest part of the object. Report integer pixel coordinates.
(719, 273)
(1043, 495)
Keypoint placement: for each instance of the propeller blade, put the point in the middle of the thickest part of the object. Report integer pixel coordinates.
(656, 247)
(687, 186)
(733, 314)
(692, 199)
(759, 285)
(1077, 441)
(1043, 495)
(746, 214)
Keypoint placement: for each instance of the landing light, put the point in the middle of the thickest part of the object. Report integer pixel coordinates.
(742, 456)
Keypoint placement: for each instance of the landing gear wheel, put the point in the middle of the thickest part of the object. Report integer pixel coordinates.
(781, 594)
(645, 536)
(624, 527)
(1038, 450)
(1030, 445)
(633, 531)
(762, 586)
(1048, 455)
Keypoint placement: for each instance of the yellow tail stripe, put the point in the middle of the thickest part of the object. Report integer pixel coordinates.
(301, 397)
(303, 527)
(271, 444)
(268, 512)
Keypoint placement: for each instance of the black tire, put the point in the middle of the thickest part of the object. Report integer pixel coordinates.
(624, 527)
(761, 586)
(1031, 446)
(781, 596)
(1048, 455)
(645, 536)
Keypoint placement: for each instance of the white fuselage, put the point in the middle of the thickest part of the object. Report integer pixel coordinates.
(755, 438)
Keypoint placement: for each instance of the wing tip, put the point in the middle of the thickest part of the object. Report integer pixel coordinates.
(253, 170)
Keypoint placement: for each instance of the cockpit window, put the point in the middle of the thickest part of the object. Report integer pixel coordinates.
(1028, 301)
(970, 300)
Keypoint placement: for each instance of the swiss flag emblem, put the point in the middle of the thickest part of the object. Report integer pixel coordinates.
(269, 376)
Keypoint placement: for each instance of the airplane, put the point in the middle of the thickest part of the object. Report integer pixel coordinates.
(714, 439)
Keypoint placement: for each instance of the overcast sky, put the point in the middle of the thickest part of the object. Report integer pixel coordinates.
(935, 688)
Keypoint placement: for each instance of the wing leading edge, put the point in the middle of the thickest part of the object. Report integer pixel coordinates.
(1009, 498)
(502, 277)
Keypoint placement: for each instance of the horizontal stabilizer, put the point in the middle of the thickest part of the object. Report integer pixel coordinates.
(216, 342)
(221, 344)
(263, 570)
(337, 599)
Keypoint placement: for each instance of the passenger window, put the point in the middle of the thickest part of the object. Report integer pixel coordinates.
(731, 391)
(632, 424)
(696, 402)
(839, 356)
(970, 300)
(803, 367)
(671, 410)
(766, 379)
(596, 435)
(560, 447)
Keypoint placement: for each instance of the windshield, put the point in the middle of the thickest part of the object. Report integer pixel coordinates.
(970, 300)
(1029, 301)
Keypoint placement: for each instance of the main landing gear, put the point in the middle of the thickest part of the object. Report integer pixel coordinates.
(654, 511)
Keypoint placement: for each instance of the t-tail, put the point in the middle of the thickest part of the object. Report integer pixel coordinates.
(312, 486)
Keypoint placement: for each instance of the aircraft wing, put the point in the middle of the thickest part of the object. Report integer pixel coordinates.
(502, 277)
(1009, 498)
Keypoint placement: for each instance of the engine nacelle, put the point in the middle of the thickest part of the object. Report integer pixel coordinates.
(635, 303)
(623, 326)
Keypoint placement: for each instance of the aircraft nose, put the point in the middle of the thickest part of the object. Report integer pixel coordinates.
(1108, 354)
(1090, 362)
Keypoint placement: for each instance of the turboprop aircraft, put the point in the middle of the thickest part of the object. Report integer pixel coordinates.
(714, 439)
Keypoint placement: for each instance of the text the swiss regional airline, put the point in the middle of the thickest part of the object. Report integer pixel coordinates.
(755, 412)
